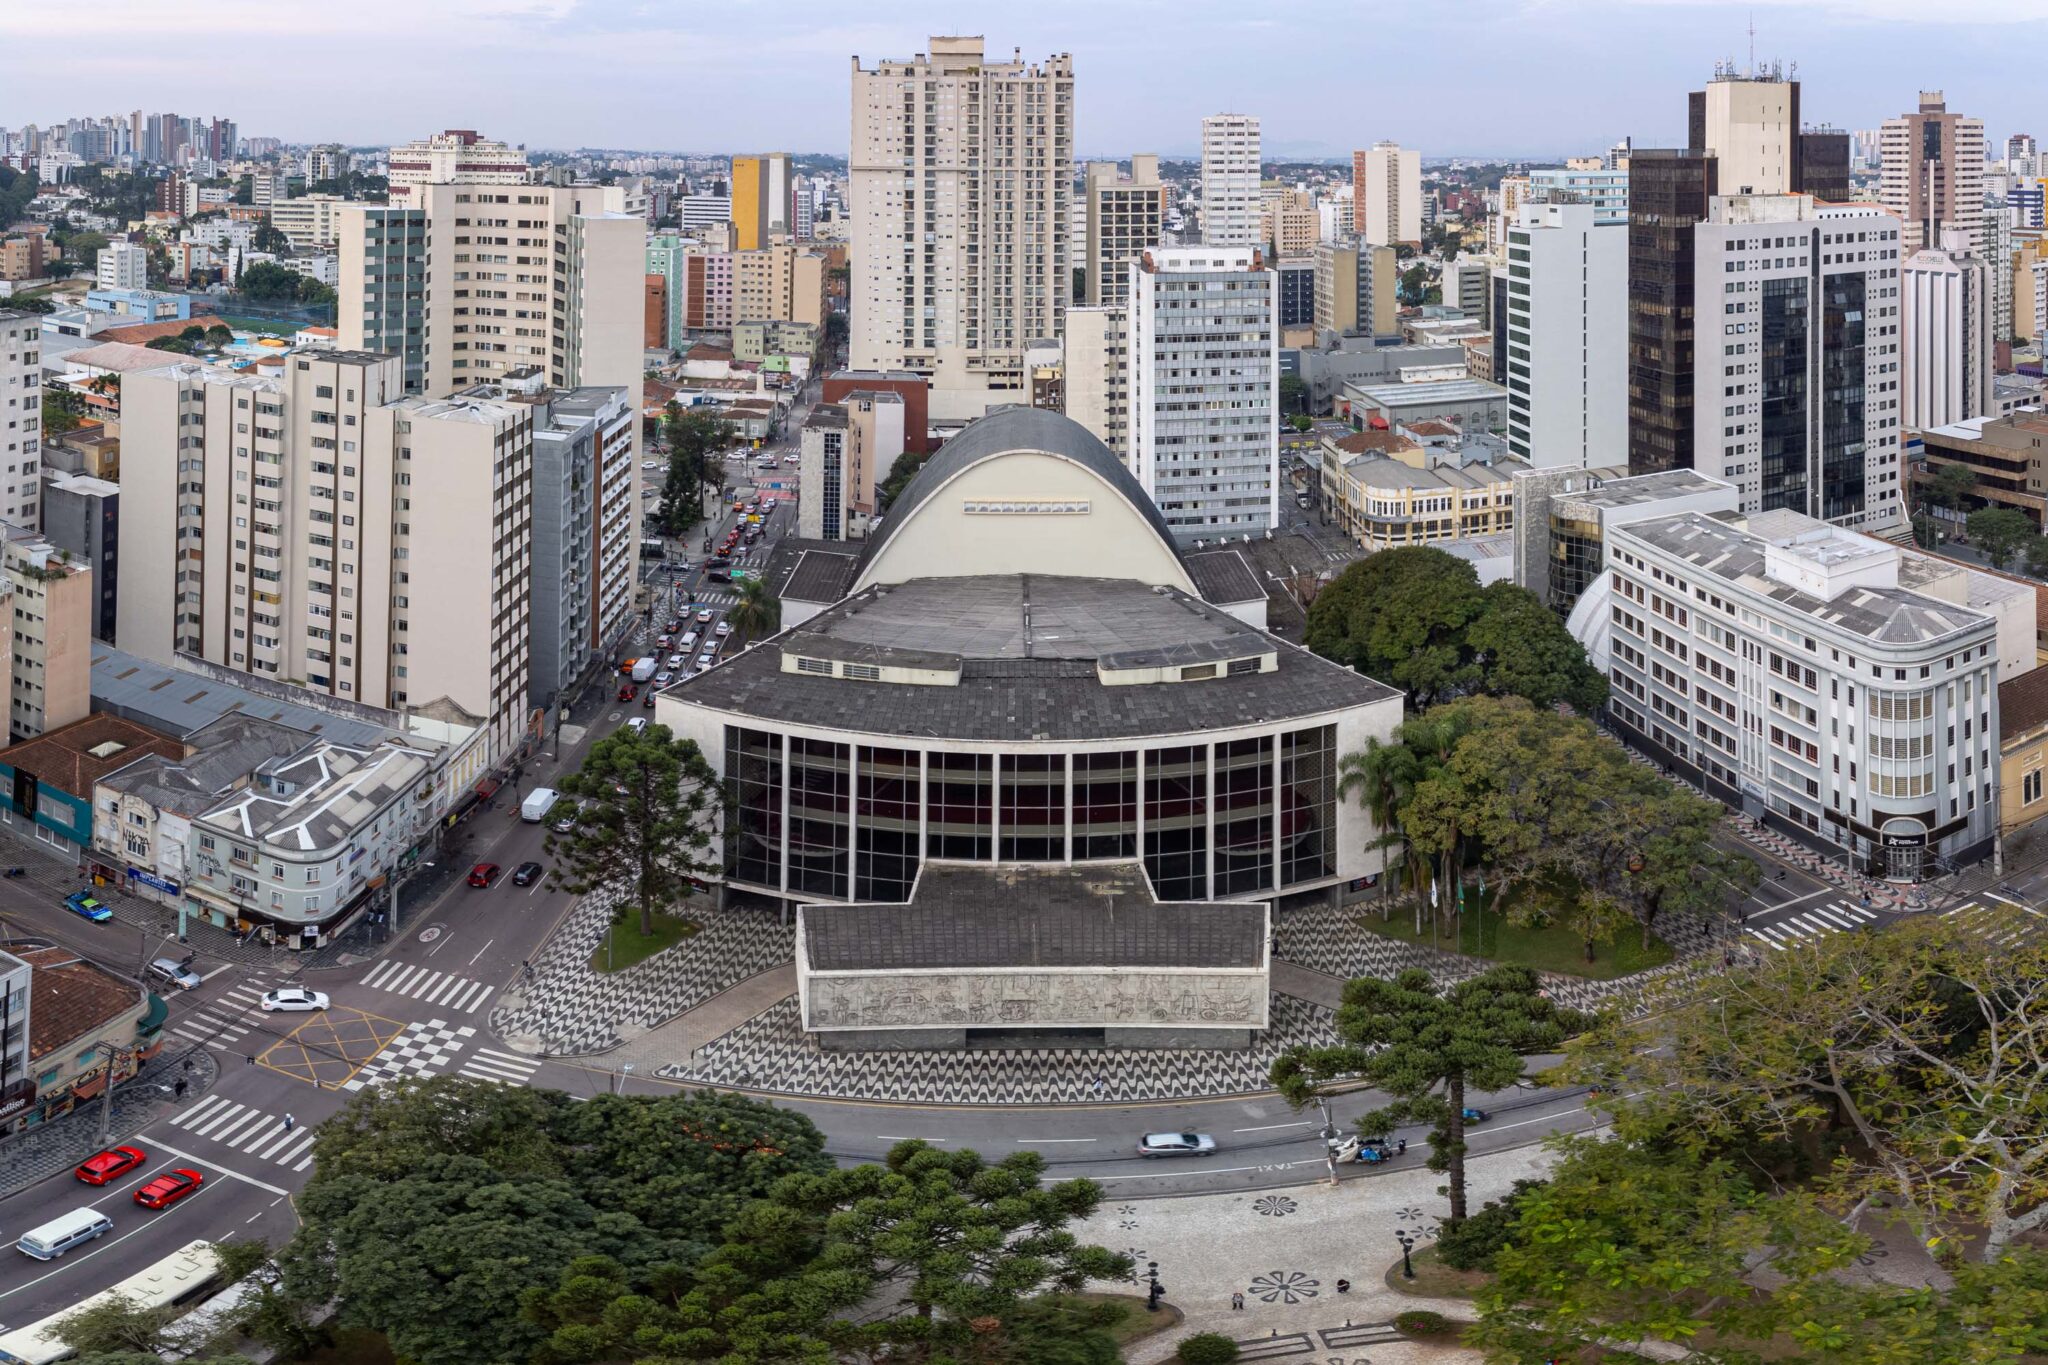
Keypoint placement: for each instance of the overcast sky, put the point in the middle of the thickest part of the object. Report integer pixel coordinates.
(1453, 77)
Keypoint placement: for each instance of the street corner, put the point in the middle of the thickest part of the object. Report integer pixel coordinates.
(328, 1050)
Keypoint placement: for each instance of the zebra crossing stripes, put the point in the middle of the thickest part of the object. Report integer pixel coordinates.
(488, 1064)
(253, 1132)
(224, 1020)
(2006, 923)
(443, 989)
(1817, 922)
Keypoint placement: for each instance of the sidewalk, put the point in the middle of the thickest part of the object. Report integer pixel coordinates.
(1285, 1251)
(677, 1041)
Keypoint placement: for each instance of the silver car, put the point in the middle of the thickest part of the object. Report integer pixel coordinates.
(1176, 1144)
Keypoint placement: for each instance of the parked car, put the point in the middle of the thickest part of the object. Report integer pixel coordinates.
(664, 678)
(1176, 1144)
(483, 874)
(83, 903)
(168, 1188)
(565, 813)
(110, 1164)
(171, 971)
(637, 724)
(293, 1000)
(526, 874)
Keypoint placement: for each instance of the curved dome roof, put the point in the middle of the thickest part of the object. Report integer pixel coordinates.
(1004, 432)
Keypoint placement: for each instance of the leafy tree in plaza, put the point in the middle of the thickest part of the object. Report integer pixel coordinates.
(1998, 532)
(116, 1325)
(1427, 1047)
(757, 613)
(1524, 650)
(648, 806)
(1950, 486)
(1293, 394)
(694, 438)
(1913, 1056)
(436, 1207)
(1401, 616)
(2034, 553)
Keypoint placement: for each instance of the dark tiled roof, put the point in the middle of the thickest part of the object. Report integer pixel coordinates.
(69, 997)
(2023, 703)
(821, 576)
(1083, 915)
(1222, 576)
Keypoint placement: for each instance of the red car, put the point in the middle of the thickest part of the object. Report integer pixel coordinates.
(628, 691)
(115, 1161)
(483, 874)
(168, 1188)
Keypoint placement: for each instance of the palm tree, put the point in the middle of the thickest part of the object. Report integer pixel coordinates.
(757, 613)
(1382, 776)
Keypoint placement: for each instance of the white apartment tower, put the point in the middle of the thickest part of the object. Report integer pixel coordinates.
(1946, 324)
(1205, 388)
(122, 265)
(1386, 190)
(1933, 173)
(959, 179)
(1096, 380)
(21, 407)
(458, 156)
(1797, 363)
(1567, 337)
(1230, 180)
(320, 527)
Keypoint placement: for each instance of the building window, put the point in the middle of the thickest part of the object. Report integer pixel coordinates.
(1244, 816)
(1308, 805)
(2030, 788)
(1177, 822)
(1034, 808)
(818, 835)
(960, 801)
(888, 794)
(1106, 805)
(753, 776)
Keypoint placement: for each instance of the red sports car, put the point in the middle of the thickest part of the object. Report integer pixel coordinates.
(107, 1165)
(168, 1188)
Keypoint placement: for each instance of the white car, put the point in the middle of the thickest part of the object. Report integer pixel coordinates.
(705, 661)
(724, 628)
(676, 661)
(664, 678)
(293, 998)
(703, 616)
(650, 464)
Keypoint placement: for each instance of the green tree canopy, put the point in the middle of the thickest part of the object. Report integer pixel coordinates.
(900, 474)
(757, 613)
(1427, 1047)
(1950, 486)
(1998, 532)
(695, 437)
(648, 805)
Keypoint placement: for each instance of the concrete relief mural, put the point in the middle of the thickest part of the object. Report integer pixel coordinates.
(1037, 999)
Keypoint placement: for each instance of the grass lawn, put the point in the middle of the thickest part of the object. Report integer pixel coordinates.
(1484, 932)
(1136, 1323)
(626, 945)
(1434, 1279)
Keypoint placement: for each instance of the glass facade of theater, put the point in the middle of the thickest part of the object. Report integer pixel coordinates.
(1216, 819)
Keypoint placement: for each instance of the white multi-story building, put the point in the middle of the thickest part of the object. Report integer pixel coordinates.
(1386, 188)
(1566, 366)
(1933, 173)
(1606, 190)
(1230, 180)
(1096, 375)
(1205, 388)
(1121, 218)
(321, 527)
(1820, 679)
(312, 220)
(123, 265)
(1946, 324)
(959, 264)
(1797, 369)
(21, 418)
(458, 156)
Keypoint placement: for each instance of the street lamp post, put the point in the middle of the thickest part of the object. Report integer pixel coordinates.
(1407, 1264)
(1153, 1289)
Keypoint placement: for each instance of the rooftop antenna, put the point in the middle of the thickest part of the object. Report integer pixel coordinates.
(1752, 43)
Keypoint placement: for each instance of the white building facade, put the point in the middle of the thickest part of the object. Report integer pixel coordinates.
(123, 265)
(1230, 180)
(1205, 388)
(1387, 183)
(21, 418)
(1566, 366)
(1947, 329)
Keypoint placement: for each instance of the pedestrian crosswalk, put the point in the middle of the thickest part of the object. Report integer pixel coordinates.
(2002, 922)
(224, 1020)
(436, 1047)
(1815, 922)
(489, 1064)
(263, 1135)
(456, 993)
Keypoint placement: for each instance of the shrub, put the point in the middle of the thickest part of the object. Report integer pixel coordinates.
(1472, 1244)
(1420, 1322)
(1207, 1348)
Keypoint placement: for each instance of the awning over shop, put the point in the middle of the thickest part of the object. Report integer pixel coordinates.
(158, 1013)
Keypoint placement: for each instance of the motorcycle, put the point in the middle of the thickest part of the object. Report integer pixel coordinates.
(1476, 1116)
(1370, 1151)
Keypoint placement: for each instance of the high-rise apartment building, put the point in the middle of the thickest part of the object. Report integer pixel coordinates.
(1507, 208)
(1797, 364)
(1946, 324)
(1357, 289)
(1123, 222)
(1567, 338)
(469, 282)
(1934, 173)
(778, 283)
(698, 286)
(1230, 180)
(1096, 378)
(957, 265)
(21, 418)
(1205, 388)
(458, 156)
(321, 527)
(1749, 123)
(49, 599)
(1288, 223)
(1386, 194)
(763, 200)
(122, 265)
(311, 220)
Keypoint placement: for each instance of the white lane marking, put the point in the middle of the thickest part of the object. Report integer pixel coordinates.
(267, 1129)
(295, 1149)
(890, 1137)
(224, 1134)
(1269, 1127)
(480, 952)
(277, 1143)
(404, 978)
(475, 997)
(1034, 1142)
(434, 996)
(104, 1243)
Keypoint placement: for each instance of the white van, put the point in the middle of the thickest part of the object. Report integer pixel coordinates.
(537, 804)
(687, 643)
(59, 1235)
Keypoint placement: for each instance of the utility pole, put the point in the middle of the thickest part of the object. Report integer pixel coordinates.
(107, 1053)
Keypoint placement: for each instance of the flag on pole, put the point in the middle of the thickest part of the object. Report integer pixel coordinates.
(1432, 895)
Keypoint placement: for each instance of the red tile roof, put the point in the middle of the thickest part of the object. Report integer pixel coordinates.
(70, 998)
